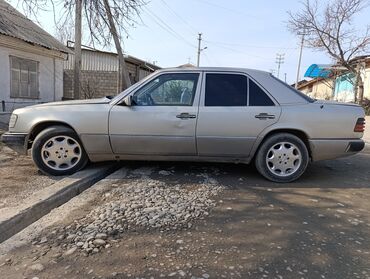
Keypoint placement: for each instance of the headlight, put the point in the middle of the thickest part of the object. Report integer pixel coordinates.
(13, 120)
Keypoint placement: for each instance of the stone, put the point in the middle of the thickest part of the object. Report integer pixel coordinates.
(43, 240)
(37, 267)
(141, 203)
(70, 251)
(101, 236)
(99, 242)
(61, 237)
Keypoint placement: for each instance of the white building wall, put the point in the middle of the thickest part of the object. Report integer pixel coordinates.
(50, 79)
(366, 78)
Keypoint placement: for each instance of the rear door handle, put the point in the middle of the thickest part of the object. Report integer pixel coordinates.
(264, 116)
(185, 115)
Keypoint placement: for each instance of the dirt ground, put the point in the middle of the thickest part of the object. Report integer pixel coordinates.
(317, 227)
(19, 177)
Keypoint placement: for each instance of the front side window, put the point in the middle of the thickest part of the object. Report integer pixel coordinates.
(168, 90)
(24, 78)
(226, 90)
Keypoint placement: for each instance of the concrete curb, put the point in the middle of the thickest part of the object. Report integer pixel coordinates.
(56, 195)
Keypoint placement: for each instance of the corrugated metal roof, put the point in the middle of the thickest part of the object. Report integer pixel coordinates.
(97, 60)
(16, 25)
(319, 70)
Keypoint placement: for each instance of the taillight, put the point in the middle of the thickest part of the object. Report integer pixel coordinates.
(360, 125)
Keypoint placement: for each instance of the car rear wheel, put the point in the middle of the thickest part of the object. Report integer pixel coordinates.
(58, 151)
(282, 158)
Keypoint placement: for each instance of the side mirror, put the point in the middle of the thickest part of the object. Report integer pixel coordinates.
(127, 101)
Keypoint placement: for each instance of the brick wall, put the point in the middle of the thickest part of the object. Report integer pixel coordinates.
(94, 84)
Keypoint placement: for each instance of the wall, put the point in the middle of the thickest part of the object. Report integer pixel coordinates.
(46, 79)
(99, 70)
(319, 89)
(99, 83)
(94, 84)
(344, 88)
(366, 78)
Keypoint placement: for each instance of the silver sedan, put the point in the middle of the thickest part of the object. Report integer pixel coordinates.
(196, 114)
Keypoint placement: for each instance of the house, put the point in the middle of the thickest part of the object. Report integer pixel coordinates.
(317, 88)
(331, 82)
(99, 73)
(31, 62)
(187, 65)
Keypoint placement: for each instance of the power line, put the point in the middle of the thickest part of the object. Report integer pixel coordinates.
(251, 46)
(178, 16)
(227, 8)
(239, 51)
(166, 27)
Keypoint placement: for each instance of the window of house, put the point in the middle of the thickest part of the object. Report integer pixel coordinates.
(226, 90)
(24, 78)
(258, 97)
(168, 90)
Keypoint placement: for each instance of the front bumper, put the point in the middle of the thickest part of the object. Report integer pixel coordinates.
(16, 141)
(325, 149)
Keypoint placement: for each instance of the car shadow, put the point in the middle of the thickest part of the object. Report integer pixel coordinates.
(350, 172)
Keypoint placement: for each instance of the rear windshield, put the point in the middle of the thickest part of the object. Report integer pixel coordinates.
(304, 96)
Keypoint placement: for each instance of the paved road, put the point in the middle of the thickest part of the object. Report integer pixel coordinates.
(318, 227)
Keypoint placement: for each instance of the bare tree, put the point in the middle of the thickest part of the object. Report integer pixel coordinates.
(64, 33)
(89, 88)
(328, 27)
(104, 19)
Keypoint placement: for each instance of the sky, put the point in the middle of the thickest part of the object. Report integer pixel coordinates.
(237, 33)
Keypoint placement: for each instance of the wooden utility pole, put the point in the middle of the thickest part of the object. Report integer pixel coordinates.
(279, 61)
(199, 48)
(77, 48)
(299, 61)
(124, 79)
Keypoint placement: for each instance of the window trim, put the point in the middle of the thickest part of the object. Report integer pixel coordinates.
(203, 97)
(11, 76)
(197, 88)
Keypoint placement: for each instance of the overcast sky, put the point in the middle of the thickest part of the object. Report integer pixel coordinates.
(237, 33)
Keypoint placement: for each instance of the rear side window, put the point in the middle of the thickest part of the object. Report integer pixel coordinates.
(257, 97)
(225, 90)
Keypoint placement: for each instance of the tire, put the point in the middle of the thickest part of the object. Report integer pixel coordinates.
(58, 150)
(282, 158)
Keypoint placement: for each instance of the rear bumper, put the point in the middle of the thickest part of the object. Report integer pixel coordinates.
(16, 141)
(325, 149)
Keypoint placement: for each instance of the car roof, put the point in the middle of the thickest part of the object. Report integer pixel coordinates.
(280, 91)
(214, 69)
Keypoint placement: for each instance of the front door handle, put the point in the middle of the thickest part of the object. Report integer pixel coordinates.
(185, 115)
(264, 116)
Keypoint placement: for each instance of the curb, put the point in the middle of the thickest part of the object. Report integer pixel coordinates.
(61, 192)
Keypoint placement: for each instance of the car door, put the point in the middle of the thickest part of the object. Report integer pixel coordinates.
(161, 119)
(233, 111)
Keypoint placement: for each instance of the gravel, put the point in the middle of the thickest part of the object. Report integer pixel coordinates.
(138, 203)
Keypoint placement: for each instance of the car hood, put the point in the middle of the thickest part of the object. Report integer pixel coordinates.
(104, 100)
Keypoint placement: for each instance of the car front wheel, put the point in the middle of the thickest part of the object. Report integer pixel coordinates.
(282, 158)
(57, 150)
